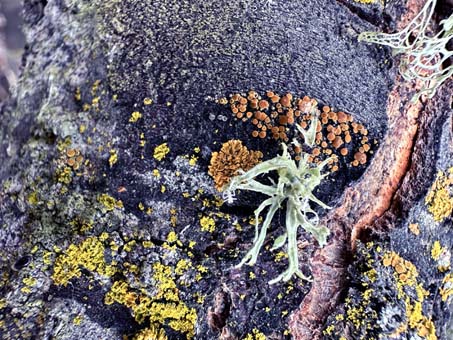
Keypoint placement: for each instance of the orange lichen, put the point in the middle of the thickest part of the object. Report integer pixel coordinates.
(232, 157)
(406, 275)
(279, 114)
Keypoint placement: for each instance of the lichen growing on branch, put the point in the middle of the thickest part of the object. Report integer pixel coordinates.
(423, 56)
(296, 183)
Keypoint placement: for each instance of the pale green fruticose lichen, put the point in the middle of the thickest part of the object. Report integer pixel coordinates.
(296, 183)
(423, 56)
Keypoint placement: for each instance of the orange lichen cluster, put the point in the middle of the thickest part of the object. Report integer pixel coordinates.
(226, 163)
(275, 116)
(74, 158)
(405, 270)
(406, 277)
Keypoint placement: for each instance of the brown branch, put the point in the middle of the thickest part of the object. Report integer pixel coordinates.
(360, 206)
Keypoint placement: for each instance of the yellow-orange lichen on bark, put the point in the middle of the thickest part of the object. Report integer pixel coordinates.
(232, 157)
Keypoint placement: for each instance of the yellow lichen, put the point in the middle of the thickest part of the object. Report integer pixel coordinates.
(135, 116)
(88, 255)
(147, 101)
(329, 330)
(156, 173)
(207, 224)
(441, 255)
(113, 157)
(439, 199)
(367, 2)
(232, 157)
(255, 335)
(151, 333)
(406, 275)
(447, 287)
(193, 160)
(77, 320)
(64, 175)
(164, 308)
(109, 202)
(33, 198)
(413, 227)
(172, 237)
(436, 250)
(161, 151)
(29, 281)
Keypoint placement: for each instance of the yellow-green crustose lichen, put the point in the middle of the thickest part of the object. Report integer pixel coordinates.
(164, 308)
(406, 278)
(89, 254)
(440, 198)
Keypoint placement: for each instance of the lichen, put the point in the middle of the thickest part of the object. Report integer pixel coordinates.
(232, 157)
(406, 278)
(255, 335)
(440, 198)
(164, 308)
(135, 116)
(161, 151)
(423, 56)
(89, 255)
(110, 202)
(296, 183)
(151, 333)
(207, 224)
(113, 157)
(277, 117)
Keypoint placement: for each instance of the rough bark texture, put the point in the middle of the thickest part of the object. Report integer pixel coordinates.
(101, 238)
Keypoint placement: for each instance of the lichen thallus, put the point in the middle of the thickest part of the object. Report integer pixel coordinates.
(296, 182)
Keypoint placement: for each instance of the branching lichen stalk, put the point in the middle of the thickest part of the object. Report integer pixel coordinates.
(296, 183)
(423, 56)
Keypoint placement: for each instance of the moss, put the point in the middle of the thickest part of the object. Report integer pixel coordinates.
(161, 151)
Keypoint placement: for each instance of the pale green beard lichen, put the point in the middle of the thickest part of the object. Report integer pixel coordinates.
(423, 56)
(296, 183)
